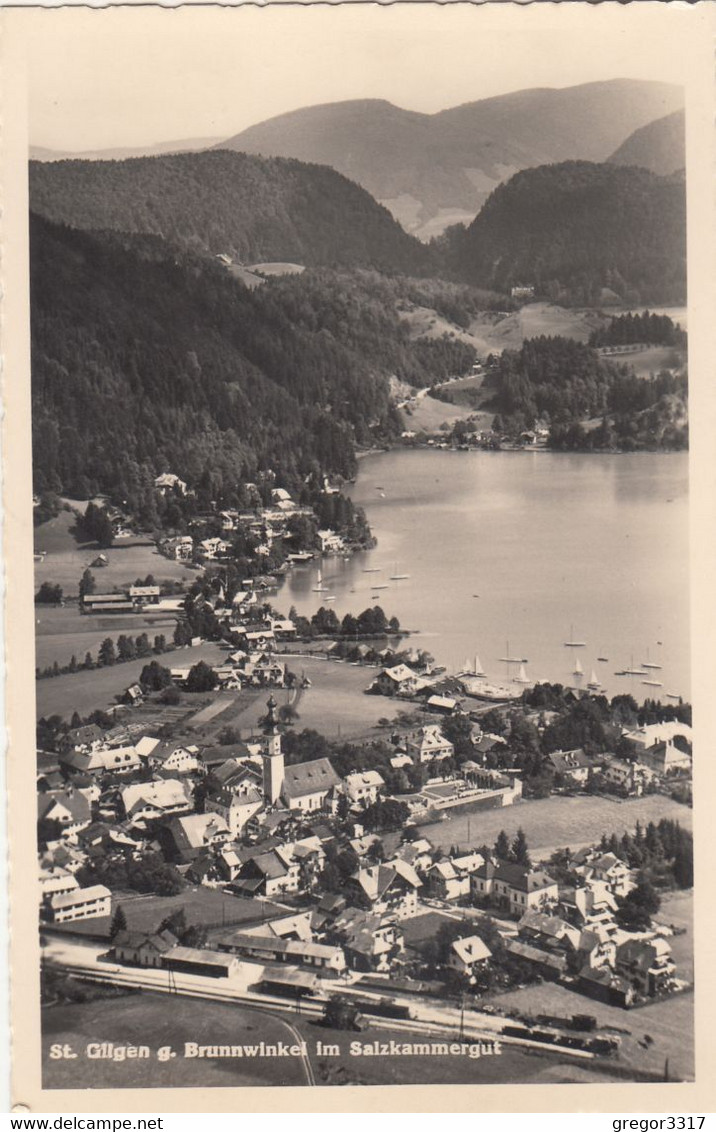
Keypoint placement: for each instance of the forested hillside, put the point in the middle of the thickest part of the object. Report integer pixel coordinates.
(580, 233)
(251, 208)
(563, 382)
(147, 359)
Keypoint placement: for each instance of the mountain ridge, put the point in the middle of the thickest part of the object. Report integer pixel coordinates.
(659, 146)
(434, 169)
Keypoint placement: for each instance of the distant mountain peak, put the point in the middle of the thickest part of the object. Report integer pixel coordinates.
(432, 170)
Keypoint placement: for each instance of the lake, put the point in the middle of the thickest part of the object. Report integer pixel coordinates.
(517, 554)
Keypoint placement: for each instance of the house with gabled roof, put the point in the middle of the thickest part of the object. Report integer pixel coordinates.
(573, 766)
(147, 801)
(512, 887)
(428, 743)
(117, 760)
(268, 874)
(399, 681)
(236, 804)
(646, 964)
(142, 949)
(67, 812)
(363, 787)
(369, 940)
(468, 955)
(383, 888)
(183, 838)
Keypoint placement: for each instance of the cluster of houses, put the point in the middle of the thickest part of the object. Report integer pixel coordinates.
(266, 524)
(240, 820)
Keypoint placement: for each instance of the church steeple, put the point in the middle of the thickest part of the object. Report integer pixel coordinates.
(273, 755)
(270, 725)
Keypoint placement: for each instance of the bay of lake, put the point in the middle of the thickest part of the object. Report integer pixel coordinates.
(516, 553)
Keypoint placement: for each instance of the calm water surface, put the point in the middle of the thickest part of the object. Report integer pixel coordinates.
(525, 551)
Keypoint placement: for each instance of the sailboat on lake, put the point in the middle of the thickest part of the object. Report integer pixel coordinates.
(578, 670)
(319, 586)
(522, 677)
(594, 685)
(571, 643)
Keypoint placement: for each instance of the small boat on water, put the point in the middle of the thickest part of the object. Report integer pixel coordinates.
(398, 577)
(331, 597)
(636, 672)
(603, 659)
(371, 569)
(649, 664)
(571, 643)
(672, 696)
(383, 587)
(319, 586)
(653, 683)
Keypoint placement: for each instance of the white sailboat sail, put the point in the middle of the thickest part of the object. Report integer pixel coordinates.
(578, 670)
(522, 677)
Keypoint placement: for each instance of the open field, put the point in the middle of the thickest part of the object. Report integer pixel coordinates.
(557, 822)
(63, 632)
(201, 905)
(65, 560)
(491, 333)
(85, 692)
(336, 703)
(160, 1020)
(428, 414)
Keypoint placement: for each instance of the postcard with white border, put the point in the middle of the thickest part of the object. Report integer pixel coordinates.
(358, 488)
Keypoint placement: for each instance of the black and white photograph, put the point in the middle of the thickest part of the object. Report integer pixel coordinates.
(361, 580)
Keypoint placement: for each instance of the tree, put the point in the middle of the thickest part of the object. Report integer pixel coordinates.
(502, 846)
(340, 1014)
(49, 594)
(119, 922)
(638, 906)
(201, 678)
(382, 815)
(143, 648)
(107, 654)
(154, 677)
(520, 852)
(126, 649)
(88, 585)
(89, 662)
(458, 730)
